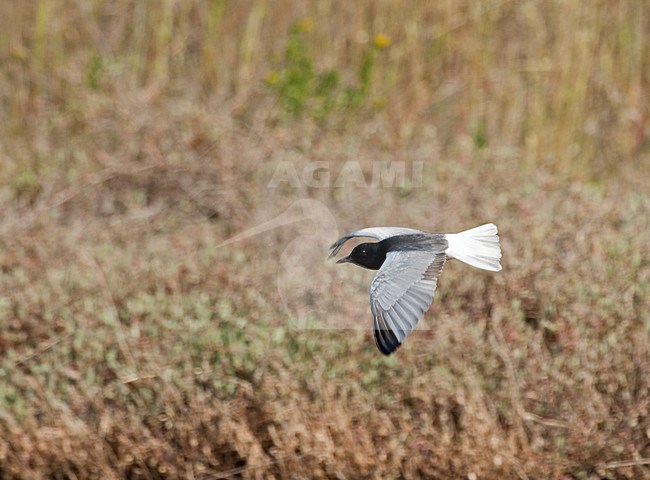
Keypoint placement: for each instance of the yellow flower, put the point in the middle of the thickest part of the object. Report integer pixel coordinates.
(381, 40)
(272, 77)
(306, 24)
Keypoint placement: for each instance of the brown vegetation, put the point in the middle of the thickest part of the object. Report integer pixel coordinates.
(136, 137)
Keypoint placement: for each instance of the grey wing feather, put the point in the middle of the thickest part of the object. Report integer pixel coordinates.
(401, 293)
(378, 233)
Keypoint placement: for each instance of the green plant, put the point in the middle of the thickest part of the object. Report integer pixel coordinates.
(305, 91)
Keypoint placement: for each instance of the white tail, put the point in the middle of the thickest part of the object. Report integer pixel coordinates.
(478, 247)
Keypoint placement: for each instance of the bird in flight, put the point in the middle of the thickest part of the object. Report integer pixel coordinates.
(409, 263)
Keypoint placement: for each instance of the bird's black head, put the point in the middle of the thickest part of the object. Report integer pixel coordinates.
(367, 255)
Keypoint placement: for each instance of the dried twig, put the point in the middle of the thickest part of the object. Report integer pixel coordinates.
(49, 346)
(236, 471)
(627, 463)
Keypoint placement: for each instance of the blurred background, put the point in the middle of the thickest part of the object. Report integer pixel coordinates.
(137, 137)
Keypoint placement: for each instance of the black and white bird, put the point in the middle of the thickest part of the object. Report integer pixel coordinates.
(409, 262)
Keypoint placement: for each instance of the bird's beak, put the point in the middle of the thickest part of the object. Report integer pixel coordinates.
(344, 260)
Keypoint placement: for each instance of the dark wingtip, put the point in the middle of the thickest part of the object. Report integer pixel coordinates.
(386, 353)
(386, 341)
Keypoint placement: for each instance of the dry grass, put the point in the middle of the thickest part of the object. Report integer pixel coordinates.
(138, 136)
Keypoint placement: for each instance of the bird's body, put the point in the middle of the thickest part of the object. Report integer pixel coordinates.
(409, 262)
(424, 242)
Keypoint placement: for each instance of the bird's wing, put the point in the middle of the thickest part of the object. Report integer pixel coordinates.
(378, 233)
(401, 293)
